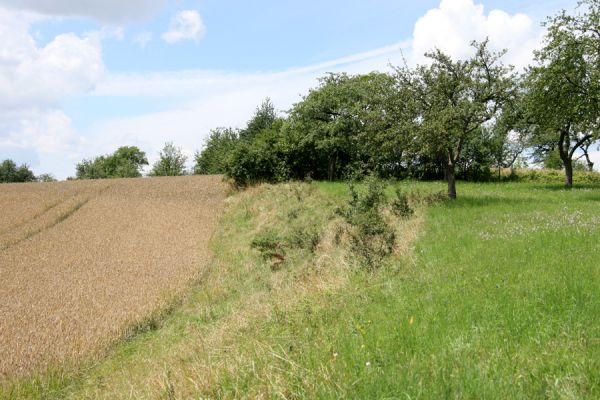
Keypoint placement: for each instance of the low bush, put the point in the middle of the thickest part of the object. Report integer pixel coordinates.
(371, 237)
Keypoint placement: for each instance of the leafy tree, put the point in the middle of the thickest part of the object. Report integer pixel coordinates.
(10, 172)
(455, 99)
(351, 122)
(325, 124)
(262, 159)
(263, 118)
(553, 161)
(125, 162)
(216, 152)
(171, 162)
(46, 178)
(509, 134)
(563, 88)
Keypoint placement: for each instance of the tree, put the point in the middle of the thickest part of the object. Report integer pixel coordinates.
(454, 100)
(216, 152)
(510, 133)
(563, 88)
(10, 172)
(263, 118)
(125, 162)
(171, 162)
(46, 178)
(351, 123)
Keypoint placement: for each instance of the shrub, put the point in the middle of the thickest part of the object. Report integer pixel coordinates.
(400, 206)
(371, 237)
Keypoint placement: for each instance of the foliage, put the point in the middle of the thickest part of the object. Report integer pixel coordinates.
(563, 88)
(46, 178)
(216, 152)
(10, 172)
(454, 99)
(400, 205)
(171, 162)
(125, 162)
(261, 159)
(264, 117)
(372, 238)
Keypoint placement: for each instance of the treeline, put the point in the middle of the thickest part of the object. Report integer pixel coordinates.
(448, 119)
(10, 172)
(128, 162)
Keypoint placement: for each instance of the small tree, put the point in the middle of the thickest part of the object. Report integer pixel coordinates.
(217, 150)
(263, 118)
(454, 99)
(46, 178)
(171, 162)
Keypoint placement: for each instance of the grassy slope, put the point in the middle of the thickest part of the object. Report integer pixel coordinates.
(500, 298)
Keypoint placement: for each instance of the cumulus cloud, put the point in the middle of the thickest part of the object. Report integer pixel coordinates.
(34, 80)
(32, 76)
(110, 11)
(455, 23)
(186, 25)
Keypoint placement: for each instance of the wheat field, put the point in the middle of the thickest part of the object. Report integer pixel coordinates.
(82, 262)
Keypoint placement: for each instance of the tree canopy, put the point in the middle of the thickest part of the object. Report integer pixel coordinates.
(563, 87)
(10, 172)
(125, 162)
(170, 163)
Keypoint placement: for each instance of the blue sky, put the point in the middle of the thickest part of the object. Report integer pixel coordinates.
(80, 80)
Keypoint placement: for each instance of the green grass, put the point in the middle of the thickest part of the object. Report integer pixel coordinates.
(497, 297)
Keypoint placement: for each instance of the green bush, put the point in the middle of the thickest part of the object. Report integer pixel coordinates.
(400, 206)
(371, 237)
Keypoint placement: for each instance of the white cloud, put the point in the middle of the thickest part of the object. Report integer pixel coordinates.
(142, 39)
(111, 11)
(34, 80)
(34, 77)
(455, 23)
(186, 25)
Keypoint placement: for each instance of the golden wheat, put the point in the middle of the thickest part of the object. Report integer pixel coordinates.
(82, 262)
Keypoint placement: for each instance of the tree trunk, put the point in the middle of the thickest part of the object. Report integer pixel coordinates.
(451, 181)
(331, 167)
(568, 172)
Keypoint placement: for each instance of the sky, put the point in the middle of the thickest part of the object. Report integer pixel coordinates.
(81, 78)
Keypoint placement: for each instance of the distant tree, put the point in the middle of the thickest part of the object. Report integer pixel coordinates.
(46, 178)
(455, 99)
(552, 160)
(509, 134)
(125, 162)
(171, 162)
(10, 172)
(563, 88)
(263, 118)
(217, 150)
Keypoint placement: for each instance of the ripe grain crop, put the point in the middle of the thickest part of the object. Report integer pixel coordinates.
(82, 262)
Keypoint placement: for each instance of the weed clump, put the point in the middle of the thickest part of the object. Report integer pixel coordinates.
(371, 237)
(400, 206)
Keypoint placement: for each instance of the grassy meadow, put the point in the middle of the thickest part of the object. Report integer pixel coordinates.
(494, 295)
